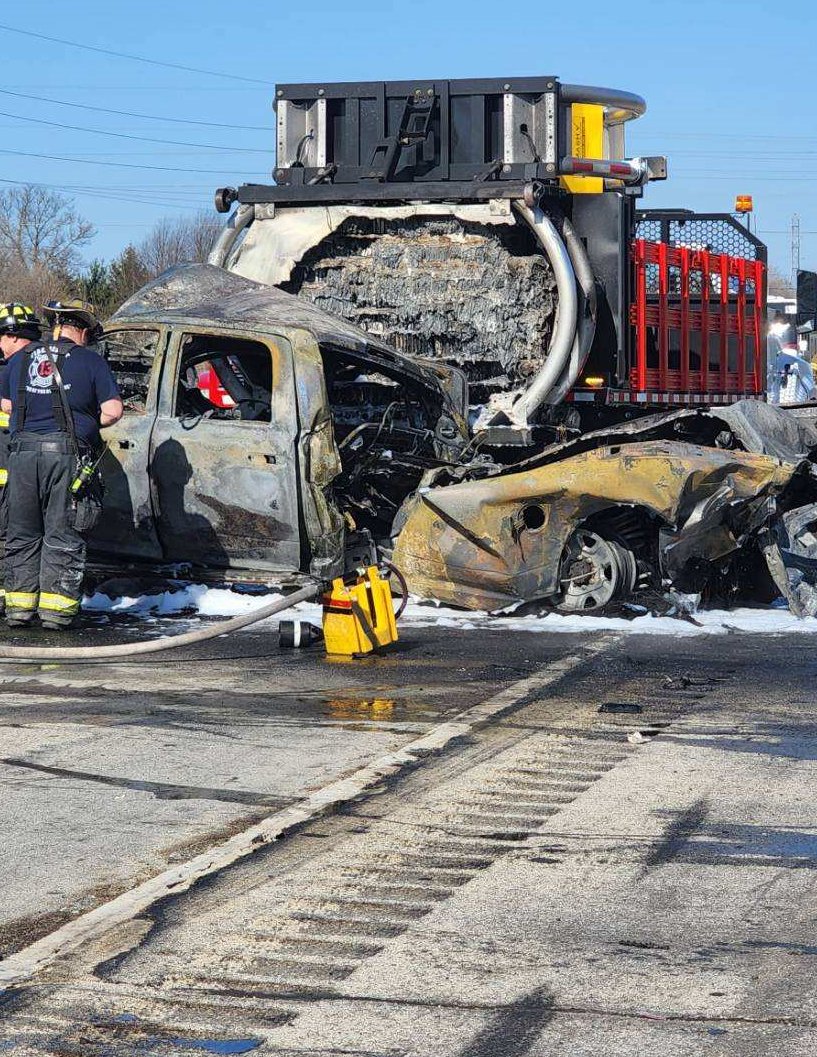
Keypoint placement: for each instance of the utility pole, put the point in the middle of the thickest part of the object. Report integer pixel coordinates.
(795, 248)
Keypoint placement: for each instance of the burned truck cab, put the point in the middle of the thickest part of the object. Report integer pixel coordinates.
(261, 434)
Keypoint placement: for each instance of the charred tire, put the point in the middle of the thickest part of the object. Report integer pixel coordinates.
(595, 572)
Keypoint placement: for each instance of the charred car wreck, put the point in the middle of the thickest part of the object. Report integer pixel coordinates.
(264, 438)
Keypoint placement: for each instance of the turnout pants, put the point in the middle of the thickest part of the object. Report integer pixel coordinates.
(4, 461)
(45, 555)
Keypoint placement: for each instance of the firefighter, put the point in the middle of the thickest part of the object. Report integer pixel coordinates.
(59, 394)
(58, 312)
(19, 327)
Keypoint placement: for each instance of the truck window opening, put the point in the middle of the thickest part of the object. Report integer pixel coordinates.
(224, 379)
(130, 355)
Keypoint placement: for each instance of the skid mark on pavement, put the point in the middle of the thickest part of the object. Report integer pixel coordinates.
(162, 790)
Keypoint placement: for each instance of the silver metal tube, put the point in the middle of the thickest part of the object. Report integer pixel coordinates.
(587, 315)
(238, 220)
(564, 330)
(619, 106)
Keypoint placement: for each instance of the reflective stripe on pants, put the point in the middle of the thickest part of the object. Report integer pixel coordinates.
(58, 604)
(24, 600)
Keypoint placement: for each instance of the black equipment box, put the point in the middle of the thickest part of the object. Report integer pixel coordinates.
(420, 131)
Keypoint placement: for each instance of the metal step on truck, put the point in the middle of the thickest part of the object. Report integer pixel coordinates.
(495, 225)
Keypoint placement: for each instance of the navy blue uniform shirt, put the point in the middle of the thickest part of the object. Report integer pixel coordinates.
(87, 379)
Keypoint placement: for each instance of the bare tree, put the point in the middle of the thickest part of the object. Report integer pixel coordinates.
(205, 228)
(40, 231)
(176, 241)
(779, 283)
(33, 285)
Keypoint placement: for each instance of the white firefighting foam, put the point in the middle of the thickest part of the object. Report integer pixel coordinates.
(200, 600)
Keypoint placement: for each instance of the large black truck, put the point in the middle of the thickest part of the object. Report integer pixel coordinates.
(497, 225)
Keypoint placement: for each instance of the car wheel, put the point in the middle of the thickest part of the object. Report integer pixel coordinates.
(594, 573)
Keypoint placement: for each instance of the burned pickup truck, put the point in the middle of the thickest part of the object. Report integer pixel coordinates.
(264, 438)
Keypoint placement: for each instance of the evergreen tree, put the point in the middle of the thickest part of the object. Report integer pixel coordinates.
(97, 288)
(127, 273)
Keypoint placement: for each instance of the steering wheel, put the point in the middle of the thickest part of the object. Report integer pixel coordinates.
(257, 409)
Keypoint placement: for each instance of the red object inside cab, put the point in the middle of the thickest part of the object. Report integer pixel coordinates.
(210, 387)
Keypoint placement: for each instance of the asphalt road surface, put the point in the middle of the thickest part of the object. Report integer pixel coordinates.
(616, 856)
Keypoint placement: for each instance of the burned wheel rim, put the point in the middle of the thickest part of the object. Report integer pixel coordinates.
(595, 572)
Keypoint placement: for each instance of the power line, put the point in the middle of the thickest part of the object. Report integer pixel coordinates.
(133, 58)
(75, 155)
(761, 155)
(127, 135)
(130, 113)
(737, 177)
(141, 87)
(103, 194)
(184, 190)
(119, 164)
(765, 137)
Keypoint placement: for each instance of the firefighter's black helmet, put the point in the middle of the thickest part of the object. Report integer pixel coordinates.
(19, 320)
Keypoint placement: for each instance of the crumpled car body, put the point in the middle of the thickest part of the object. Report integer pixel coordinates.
(486, 544)
(689, 496)
(248, 416)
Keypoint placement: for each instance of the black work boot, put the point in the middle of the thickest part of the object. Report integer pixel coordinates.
(56, 623)
(19, 618)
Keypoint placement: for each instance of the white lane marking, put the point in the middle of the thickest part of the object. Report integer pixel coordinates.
(19, 967)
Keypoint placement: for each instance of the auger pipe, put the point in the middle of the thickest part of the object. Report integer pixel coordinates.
(619, 106)
(587, 314)
(98, 654)
(564, 330)
(223, 245)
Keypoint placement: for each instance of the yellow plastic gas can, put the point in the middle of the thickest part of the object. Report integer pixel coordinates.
(358, 614)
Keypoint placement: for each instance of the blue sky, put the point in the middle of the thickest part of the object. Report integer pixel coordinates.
(729, 89)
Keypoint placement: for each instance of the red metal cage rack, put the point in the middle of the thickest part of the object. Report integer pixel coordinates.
(698, 322)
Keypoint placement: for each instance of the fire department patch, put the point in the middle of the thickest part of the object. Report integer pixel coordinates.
(40, 370)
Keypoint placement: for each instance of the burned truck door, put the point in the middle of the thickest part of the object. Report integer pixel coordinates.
(127, 527)
(320, 463)
(223, 465)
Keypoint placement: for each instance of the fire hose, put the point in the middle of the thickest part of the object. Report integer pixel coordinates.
(95, 654)
(98, 654)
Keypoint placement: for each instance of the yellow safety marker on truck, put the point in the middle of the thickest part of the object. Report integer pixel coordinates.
(587, 141)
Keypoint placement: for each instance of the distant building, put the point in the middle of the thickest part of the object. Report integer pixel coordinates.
(775, 303)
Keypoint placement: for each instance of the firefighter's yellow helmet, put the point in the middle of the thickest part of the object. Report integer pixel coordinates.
(69, 310)
(16, 318)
